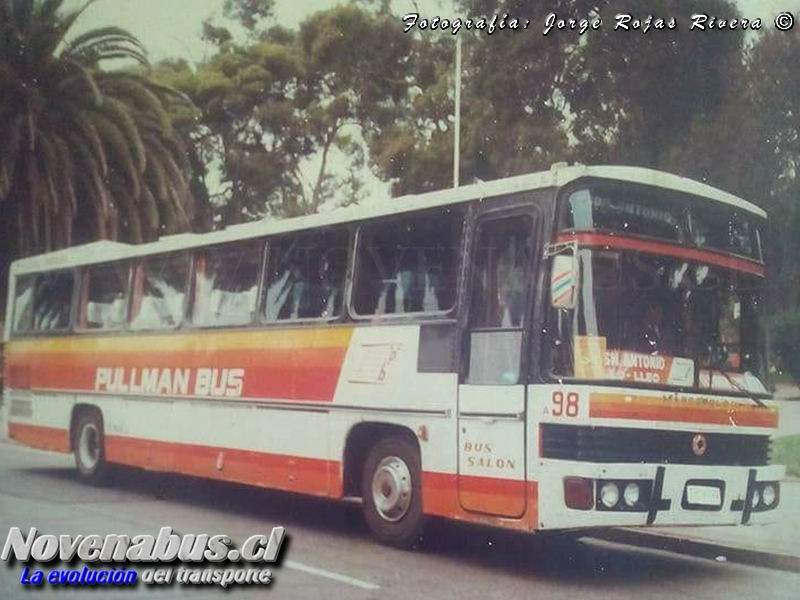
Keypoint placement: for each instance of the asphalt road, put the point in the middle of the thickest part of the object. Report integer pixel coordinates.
(329, 554)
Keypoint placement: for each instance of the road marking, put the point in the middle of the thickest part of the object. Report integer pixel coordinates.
(365, 585)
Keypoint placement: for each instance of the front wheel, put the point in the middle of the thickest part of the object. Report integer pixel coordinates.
(90, 456)
(392, 493)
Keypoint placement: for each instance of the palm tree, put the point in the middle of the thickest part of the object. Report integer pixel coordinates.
(87, 151)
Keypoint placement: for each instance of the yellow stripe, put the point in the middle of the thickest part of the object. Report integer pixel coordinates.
(671, 402)
(195, 340)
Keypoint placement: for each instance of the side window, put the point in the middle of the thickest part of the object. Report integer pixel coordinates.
(306, 275)
(159, 296)
(52, 301)
(23, 304)
(105, 296)
(226, 284)
(501, 256)
(409, 264)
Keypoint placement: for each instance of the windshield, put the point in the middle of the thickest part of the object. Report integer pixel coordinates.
(635, 210)
(662, 321)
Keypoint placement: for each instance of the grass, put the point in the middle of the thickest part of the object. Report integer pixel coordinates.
(786, 451)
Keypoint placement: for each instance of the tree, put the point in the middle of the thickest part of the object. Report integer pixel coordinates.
(635, 96)
(513, 117)
(751, 147)
(278, 105)
(88, 152)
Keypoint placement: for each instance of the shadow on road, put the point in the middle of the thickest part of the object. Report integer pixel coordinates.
(564, 559)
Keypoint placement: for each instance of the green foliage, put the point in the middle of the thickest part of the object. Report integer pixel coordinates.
(785, 341)
(751, 147)
(250, 13)
(636, 96)
(530, 100)
(786, 451)
(275, 109)
(89, 151)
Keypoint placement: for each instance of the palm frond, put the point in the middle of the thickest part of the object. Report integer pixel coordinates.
(147, 106)
(103, 44)
(85, 128)
(121, 159)
(119, 113)
(76, 73)
(83, 146)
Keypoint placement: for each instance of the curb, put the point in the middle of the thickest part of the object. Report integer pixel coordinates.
(702, 549)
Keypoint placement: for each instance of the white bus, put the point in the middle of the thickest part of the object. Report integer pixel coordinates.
(574, 348)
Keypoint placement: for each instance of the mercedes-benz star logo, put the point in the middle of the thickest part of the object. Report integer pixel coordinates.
(699, 444)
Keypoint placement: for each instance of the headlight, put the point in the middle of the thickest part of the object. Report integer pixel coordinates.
(631, 494)
(768, 495)
(609, 494)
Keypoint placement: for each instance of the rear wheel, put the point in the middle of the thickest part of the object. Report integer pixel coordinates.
(90, 455)
(391, 492)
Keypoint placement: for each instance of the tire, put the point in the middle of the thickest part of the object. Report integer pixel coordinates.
(90, 452)
(391, 492)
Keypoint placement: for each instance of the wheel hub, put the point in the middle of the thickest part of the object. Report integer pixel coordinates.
(391, 488)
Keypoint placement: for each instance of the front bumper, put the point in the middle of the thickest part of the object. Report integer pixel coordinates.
(674, 495)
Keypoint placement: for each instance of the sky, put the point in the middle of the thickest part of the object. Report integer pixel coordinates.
(171, 28)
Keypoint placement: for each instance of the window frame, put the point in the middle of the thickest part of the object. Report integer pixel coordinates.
(537, 222)
(28, 329)
(31, 331)
(79, 305)
(191, 301)
(450, 312)
(346, 283)
(139, 264)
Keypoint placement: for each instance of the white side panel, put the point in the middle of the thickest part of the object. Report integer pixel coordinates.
(380, 371)
(223, 425)
(41, 409)
(380, 375)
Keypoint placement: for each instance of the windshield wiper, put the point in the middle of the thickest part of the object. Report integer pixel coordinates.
(713, 368)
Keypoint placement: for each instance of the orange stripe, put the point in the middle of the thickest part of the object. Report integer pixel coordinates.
(665, 249)
(303, 475)
(54, 439)
(242, 339)
(307, 475)
(293, 364)
(494, 496)
(645, 408)
(440, 497)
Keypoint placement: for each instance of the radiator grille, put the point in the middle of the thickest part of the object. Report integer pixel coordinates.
(627, 445)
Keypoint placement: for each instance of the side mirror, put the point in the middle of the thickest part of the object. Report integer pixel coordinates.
(564, 280)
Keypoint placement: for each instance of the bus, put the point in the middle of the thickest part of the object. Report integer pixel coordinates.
(579, 347)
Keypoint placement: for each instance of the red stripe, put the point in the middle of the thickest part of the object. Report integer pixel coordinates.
(307, 475)
(441, 497)
(292, 473)
(504, 497)
(556, 299)
(38, 436)
(612, 406)
(560, 276)
(297, 374)
(665, 249)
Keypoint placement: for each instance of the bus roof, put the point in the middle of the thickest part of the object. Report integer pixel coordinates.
(558, 176)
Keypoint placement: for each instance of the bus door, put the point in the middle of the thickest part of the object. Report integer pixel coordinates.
(491, 400)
